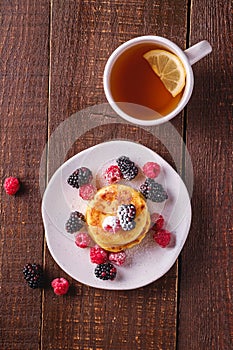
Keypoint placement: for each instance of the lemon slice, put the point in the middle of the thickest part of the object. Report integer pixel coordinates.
(169, 68)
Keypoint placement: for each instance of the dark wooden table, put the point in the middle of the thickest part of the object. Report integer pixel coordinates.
(52, 59)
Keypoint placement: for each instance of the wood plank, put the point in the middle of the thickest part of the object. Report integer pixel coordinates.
(206, 318)
(23, 101)
(84, 33)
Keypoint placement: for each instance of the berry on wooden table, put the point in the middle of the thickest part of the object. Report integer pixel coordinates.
(11, 185)
(60, 286)
(33, 274)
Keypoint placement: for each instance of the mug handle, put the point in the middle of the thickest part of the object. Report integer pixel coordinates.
(198, 51)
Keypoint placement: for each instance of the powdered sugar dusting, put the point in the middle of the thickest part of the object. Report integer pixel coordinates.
(146, 261)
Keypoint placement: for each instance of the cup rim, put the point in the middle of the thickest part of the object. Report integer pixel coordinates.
(173, 48)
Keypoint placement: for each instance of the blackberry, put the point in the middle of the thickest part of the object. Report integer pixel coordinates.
(128, 226)
(144, 189)
(105, 271)
(75, 222)
(33, 274)
(128, 168)
(153, 191)
(80, 177)
(127, 211)
(126, 214)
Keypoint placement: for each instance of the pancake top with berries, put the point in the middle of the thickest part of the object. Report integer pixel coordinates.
(116, 201)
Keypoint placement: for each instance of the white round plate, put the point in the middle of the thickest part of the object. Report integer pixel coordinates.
(147, 261)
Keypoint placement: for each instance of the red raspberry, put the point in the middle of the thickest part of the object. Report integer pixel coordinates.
(60, 286)
(157, 221)
(117, 258)
(113, 174)
(111, 224)
(82, 240)
(151, 169)
(11, 185)
(98, 255)
(162, 238)
(87, 192)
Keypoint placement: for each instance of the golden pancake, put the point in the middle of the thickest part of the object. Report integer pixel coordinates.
(105, 204)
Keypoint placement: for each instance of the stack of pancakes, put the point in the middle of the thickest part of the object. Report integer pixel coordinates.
(105, 204)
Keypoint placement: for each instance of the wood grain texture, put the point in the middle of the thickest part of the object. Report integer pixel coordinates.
(52, 57)
(23, 101)
(83, 34)
(206, 308)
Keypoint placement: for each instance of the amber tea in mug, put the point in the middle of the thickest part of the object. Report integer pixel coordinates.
(134, 81)
(133, 89)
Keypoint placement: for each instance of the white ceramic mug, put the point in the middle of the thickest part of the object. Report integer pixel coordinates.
(187, 57)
